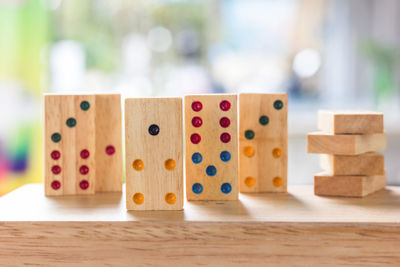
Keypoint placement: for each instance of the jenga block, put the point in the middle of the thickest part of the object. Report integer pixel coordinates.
(154, 153)
(108, 158)
(325, 143)
(211, 147)
(350, 122)
(347, 186)
(364, 164)
(69, 130)
(263, 142)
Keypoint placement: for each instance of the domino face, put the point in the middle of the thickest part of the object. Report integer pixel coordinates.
(211, 147)
(154, 153)
(263, 142)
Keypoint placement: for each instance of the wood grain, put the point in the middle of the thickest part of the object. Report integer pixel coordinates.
(344, 144)
(211, 147)
(371, 163)
(350, 122)
(347, 185)
(154, 181)
(269, 161)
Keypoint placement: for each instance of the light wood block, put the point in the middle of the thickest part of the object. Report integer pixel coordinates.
(350, 122)
(259, 228)
(325, 143)
(108, 124)
(364, 164)
(160, 182)
(58, 109)
(263, 158)
(224, 184)
(347, 185)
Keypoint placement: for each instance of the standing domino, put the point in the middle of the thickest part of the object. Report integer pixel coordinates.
(154, 153)
(211, 147)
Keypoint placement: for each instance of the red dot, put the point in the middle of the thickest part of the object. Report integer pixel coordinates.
(84, 169)
(197, 121)
(55, 185)
(195, 138)
(84, 184)
(197, 106)
(85, 154)
(225, 137)
(225, 122)
(56, 169)
(55, 154)
(225, 105)
(110, 150)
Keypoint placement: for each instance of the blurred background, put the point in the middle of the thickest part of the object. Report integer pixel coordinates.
(337, 54)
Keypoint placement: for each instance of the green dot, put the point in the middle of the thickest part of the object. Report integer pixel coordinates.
(264, 120)
(56, 137)
(249, 134)
(71, 122)
(278, 104)
(85, 105)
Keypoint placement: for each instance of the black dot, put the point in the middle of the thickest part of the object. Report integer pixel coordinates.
(71, 122)
(278, 104)
(154, 129)
(85, 105)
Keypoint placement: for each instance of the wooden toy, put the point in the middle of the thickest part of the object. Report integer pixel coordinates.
(80, 137)
(154, 153)
(263, 142)
(347, 185)
(350, 122)
(211, 147)
(371, 163)
(344, 144)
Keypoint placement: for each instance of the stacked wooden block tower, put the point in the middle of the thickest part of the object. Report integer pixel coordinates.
(348, 142)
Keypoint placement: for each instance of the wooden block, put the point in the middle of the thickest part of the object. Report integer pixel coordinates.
(212, 162)
(154, 153)
(347, 186)
(342, 144)
(108, 158)
(263, 142)
(350, 122)
(364, 164)
(69, 130)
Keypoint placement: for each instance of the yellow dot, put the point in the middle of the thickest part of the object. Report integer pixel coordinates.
(250, 181)
(249, 151)
(277, 153)
(277, 182)
(138, 198)
(170, 198)
(138, 165)
(170, 164)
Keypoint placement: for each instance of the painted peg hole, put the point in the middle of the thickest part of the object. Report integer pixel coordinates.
(278, 104)
(197, 188)
(55, 155)
(195, 138)
(226, 188)
(170, 164)
(71, 122)
(55, 185)
(197, 122)
(197, 106)
(224, 122)
(85, 154)
(84, 170)
(225, 156)
(154, 129)
(225, 138)
(138, 198)
(84, 184)
(170, 198)
(277, 181)
(249, 151)
(138, 165)
(197, 158)
(110, 150)
(85, 105)
(249, 181)
(276, 153)
(249, 134)
(225, 105)
(56, 169)
(264, 120)
(211, 170)
(56, 137)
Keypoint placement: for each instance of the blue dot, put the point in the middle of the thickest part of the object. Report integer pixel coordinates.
(197, 188)
(211, 170)
(225, 156)
(197, 158)
(226, 188)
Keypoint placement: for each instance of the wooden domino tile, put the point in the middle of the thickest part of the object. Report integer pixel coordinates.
(371, 163)
(350, 122)
(344, 144)
(69, 144)
(263, 142)
(211, 145)
(347, 185)
(154, 153)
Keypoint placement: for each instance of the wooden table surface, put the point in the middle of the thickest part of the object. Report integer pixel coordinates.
(297, 228)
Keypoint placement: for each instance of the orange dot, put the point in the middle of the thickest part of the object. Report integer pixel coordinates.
(250, 181)
(277, 153)
(138, 165)
(249, 151)
(170, 198)
(170, 164)
(138, 198)
(277, 182)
